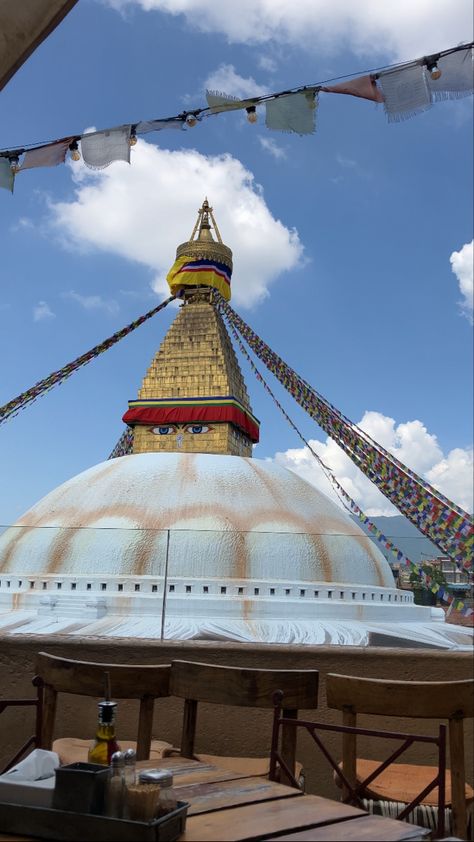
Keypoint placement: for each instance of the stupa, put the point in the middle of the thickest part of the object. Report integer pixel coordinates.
(189, 536)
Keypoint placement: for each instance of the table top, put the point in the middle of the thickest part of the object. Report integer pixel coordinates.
(228, 806)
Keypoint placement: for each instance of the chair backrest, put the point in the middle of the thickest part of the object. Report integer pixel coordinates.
(83, 678)
(241, 687)
(451, 700)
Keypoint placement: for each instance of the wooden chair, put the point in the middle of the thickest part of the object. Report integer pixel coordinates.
(241, 687)
(451, 700)
(141, 681)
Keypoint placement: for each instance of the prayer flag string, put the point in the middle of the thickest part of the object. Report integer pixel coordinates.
(10, 409)
(124, 445)
(346, 499)
(443, 522)
(404, 89)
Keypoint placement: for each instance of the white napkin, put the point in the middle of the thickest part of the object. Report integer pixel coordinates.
(40, 764)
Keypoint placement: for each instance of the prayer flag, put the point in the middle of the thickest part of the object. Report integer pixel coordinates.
(7, 176)
(291, 113)
(456, 78)
(46, 156)
(99, 149)
(157, 125)
(218, 102)
(364, 86)
(405, 92)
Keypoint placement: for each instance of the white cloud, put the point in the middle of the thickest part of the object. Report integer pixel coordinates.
(274, 148)
(226, 80)
(403, 30)
(144, 211)
(462, 264)
(42, 311)
(347, 163)
(410, 442)
(93, 302)
(267, 63)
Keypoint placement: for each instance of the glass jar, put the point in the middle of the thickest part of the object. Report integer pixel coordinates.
(168, 799)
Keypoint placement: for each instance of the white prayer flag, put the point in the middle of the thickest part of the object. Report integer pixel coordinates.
(406, 92)
(291, 113)
(457, 79)
(157, 125)
(99, 149)
(223, 102)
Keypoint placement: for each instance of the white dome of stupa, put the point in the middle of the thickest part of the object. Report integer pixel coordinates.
(228, 516)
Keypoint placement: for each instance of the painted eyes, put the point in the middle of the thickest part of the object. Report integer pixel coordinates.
(164, 431)
(170, 429)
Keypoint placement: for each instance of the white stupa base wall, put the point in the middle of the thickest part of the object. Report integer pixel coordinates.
(264, 611)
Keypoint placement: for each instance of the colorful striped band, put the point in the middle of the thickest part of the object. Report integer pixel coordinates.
(193, 411)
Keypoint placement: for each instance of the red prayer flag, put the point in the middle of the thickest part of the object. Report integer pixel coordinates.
(364, 86)
(46, 156)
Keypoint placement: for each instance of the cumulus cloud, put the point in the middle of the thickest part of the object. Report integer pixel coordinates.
(272, 147)
(403, 30)
(462, 264)
(228, 81)
(142, 213)
(93, 302)
(42, 311)
(410, 442)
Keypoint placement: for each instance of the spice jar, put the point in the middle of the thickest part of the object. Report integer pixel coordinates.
(168, 799)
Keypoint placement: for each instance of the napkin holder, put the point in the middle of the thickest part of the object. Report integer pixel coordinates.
(81, 787)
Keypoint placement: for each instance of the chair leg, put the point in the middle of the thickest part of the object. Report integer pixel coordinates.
(189, 727)
(288, 746)
(458, 777)
(145, 725)
(49, 714)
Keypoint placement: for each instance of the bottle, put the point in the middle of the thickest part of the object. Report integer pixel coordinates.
(105, 744)
(114, 798)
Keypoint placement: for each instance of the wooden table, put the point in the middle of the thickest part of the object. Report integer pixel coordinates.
(228, 806)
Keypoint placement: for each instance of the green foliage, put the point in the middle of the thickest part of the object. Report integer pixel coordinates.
(433, 571)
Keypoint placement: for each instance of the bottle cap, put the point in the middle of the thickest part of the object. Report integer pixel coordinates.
(107, 712)
(163, 777)
(130, 757)
(117, 758)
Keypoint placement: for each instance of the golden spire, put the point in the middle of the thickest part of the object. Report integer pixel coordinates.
(202, 245)
(193, 397)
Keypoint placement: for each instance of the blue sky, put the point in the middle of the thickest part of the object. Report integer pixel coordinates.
(343, 240)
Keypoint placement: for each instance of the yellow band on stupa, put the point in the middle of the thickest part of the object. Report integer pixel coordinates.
(191, 271)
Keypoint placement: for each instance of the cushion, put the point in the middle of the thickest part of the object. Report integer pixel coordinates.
(73, 750)
(402, 782)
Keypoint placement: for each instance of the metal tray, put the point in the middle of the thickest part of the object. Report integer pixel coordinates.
(46, 823)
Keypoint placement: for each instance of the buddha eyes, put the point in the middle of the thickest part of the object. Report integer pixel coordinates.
(196, 429)
(170, 429)
(164, 431)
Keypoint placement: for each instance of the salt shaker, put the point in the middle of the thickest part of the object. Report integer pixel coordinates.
(115, 789)
(130, 759)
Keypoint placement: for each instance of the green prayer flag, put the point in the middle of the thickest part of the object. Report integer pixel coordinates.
(7, 176)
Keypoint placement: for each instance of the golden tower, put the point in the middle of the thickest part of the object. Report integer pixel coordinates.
(193, 397)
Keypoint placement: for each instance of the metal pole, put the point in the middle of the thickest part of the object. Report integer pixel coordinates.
(165, 584)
